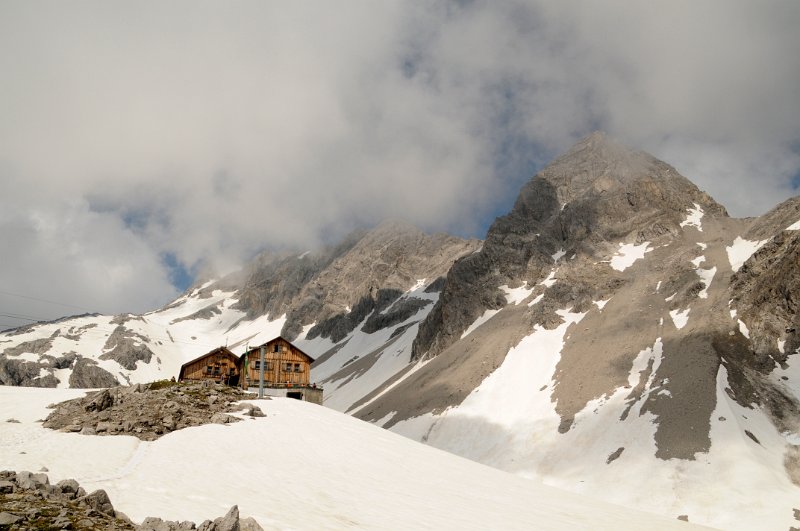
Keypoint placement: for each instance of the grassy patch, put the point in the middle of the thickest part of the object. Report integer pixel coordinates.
(161, 384)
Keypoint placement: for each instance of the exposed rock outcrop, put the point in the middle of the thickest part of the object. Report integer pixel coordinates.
(126, 348)
(29, 501)
(151, 410)
(86, 374)
(339, 287)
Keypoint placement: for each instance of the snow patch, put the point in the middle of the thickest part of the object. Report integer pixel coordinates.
(627, 254)
(550, 280)
(741, 250)
(488, 314)
(693, 219)
(537, 300)
(557, 256)
(794, 226)
(706, 276)
(601, 304)
(743, 329)
(516, 295)
(680, 318)
(26, 356)
(420, 283)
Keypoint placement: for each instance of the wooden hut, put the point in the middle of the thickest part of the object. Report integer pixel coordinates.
(286, 368)
(219, 365)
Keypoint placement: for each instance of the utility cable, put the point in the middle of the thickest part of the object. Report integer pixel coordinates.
(45, 300)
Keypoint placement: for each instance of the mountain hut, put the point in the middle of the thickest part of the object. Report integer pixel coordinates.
(287, 371)
(220, 365)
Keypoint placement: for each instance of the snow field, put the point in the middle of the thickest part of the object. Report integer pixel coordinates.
(172, 344)
(509, 422)
(300, 467)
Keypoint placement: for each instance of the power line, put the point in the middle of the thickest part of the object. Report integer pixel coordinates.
(20, 317)
(45, 300)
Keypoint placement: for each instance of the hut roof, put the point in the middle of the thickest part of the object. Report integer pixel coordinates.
(218, 350)
(271, 341)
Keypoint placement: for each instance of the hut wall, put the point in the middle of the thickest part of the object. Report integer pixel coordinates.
(285, 367)
(219, 365)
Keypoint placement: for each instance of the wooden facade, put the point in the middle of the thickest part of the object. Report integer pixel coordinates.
(219, 365)
(285, 365)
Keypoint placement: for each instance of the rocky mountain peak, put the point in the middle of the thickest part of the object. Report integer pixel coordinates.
(585, 203)
(617, 182)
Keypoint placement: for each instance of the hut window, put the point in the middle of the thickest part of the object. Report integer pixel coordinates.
(277, 347)
(297, 367)
(208, 369)
(257, 365)
(288, 367)
(216, 370)
(267, 366)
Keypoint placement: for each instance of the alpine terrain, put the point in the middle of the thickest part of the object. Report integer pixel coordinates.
(617, 335)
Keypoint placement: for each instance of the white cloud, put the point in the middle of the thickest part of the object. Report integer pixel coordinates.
(211, 130)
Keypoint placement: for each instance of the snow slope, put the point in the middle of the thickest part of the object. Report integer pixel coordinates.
(509, 422)
(300, 467)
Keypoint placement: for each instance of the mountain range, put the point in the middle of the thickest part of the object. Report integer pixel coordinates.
(616, 334)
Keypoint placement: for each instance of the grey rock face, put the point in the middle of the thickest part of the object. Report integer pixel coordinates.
(127, 348)
(766, 289)
(597, 192)
(339, 287)
(568, 221)
(205, 313)
(15, 371)
(87, 375)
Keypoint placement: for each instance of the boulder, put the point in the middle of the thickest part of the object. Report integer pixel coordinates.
(28, 481)
(68, 487)
(8, 519)
(229, 522)
(220, 418)
(101, 401)
(99, 501)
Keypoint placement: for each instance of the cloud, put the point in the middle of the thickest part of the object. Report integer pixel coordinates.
(205, 132)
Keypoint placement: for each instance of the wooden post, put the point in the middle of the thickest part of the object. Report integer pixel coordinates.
(261, 374)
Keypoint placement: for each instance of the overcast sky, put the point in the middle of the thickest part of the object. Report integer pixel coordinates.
(143, 141)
